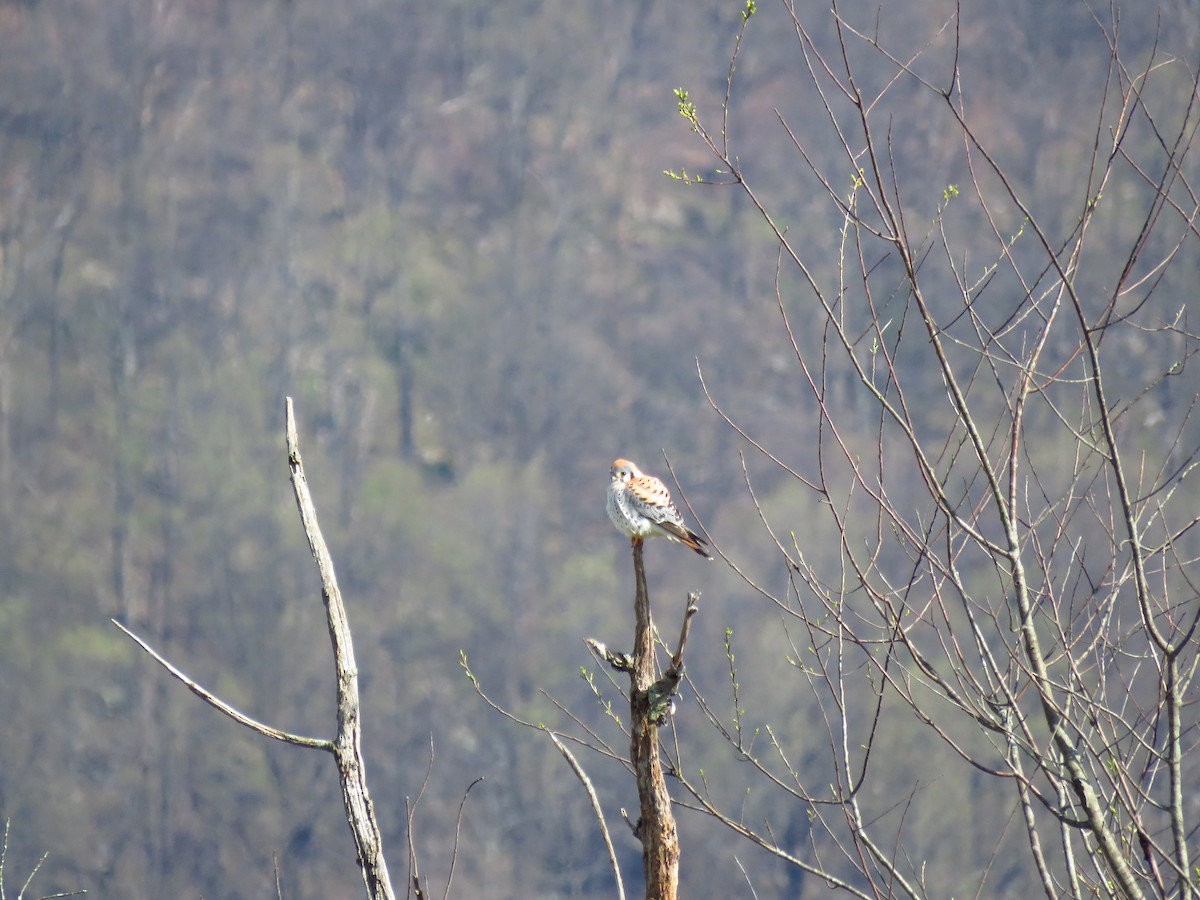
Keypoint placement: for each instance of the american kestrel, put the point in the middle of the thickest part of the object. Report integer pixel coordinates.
(640, 506)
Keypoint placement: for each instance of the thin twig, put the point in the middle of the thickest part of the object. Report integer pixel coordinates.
(457, 833)
(595, 801)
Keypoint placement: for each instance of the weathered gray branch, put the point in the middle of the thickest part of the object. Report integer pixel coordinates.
(221, 706)
(347, 748)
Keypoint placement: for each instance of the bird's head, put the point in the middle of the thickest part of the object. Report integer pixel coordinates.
(623, 470)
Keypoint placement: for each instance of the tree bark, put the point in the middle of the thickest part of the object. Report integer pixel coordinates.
(656, 827)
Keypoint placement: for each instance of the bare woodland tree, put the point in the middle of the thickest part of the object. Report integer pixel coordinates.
(346, 746)
(1016, 550)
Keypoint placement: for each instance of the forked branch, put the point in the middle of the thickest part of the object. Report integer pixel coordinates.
(346, 747)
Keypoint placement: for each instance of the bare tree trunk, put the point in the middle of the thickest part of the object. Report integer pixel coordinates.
(656, 827)
(5, 434)
(404, 388)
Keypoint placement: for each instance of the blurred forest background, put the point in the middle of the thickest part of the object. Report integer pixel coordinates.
(444, 228)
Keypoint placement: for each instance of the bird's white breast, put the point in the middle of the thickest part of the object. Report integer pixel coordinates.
(627, 520)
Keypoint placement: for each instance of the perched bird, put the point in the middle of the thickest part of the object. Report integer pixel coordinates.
(640, 506)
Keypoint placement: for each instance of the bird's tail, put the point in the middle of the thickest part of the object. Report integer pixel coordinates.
(696, 542)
